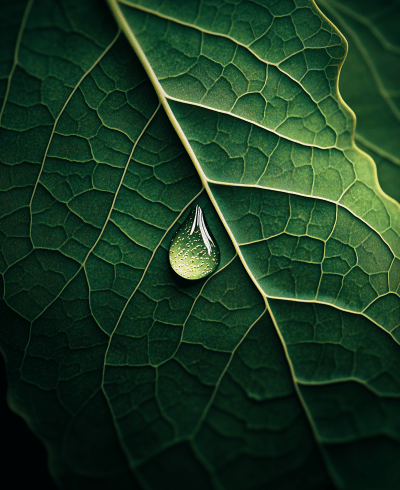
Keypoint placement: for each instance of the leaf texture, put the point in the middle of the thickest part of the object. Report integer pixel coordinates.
(281, 367)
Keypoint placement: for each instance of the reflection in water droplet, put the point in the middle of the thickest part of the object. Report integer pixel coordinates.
(199, 257)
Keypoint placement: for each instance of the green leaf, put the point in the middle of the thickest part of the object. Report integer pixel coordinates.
(283, 366)
(371, 29)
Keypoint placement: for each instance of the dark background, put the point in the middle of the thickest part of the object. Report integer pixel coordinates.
(23, 462)
(24, 458)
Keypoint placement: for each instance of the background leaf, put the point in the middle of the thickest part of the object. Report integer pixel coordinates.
(371, 30)
(281, 367)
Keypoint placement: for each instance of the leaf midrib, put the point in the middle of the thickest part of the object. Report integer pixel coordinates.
(114, 4)
(146, 65)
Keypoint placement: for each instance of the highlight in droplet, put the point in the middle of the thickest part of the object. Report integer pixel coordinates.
(194, 253)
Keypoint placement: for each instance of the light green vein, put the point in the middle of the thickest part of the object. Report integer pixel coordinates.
(98, 238)
(331, 470)
(61, 112)
(285, 191)
(193, 305)
(205, 31)
(214, 393)
(274, 131)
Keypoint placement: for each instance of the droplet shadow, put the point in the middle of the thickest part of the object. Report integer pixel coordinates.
(182, 282)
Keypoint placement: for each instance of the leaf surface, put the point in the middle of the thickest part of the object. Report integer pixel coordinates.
(280, 367)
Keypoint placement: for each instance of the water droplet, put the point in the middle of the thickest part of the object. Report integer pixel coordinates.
(200, 257)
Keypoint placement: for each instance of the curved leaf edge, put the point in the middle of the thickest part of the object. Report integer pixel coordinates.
(372, 164)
